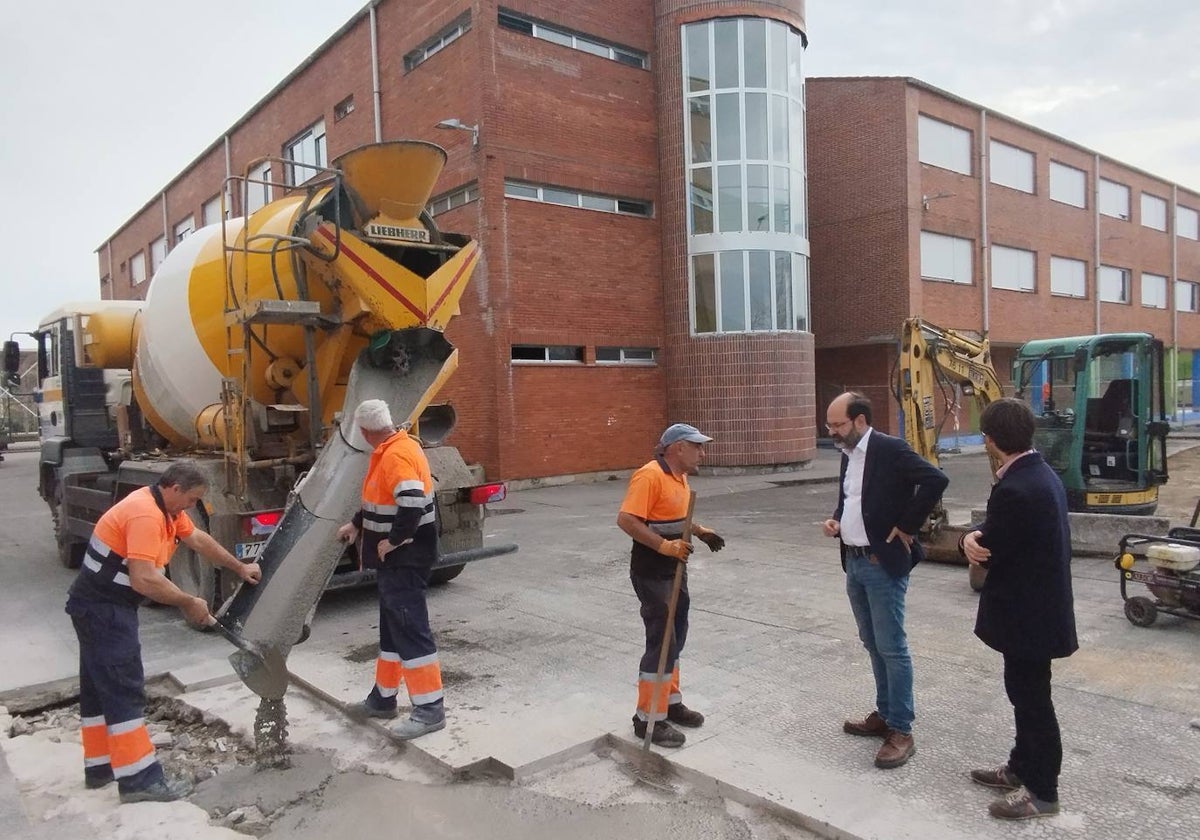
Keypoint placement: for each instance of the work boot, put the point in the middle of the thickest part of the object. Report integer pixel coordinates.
(896, 750)
(96, 782)
(410, 728)
(1001, 777)
(167, 790)
(872, 726)
(682, 715)
(1022, 805)
(363, 710)
(664, 734)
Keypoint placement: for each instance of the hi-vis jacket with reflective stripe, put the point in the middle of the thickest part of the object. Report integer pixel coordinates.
(136, 528)
(397, 504)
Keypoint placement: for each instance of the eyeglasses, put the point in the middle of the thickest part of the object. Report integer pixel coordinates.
(831, 426)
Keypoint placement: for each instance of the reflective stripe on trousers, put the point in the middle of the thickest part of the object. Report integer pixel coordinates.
(653, 594)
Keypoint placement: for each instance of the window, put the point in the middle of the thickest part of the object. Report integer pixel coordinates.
(137, 268)
(945, 258)
(568, 38)
(1154, 291)
(1068, 184)
(745, 176)
(1187, 222)
(306, 151)
(210, 212)
(436, 44)
(1011, 167)
(547, 353)
(258, 187)
(1187, 296)
(750, 291)
(574, 198)
(1114, 199)
(1114, 284)
(626, 355)
(454, 198)
(343, 109)
(184, 229)
(1013, 268)
(1154, 212)
(944, 145)
(1068, 277)
(158, 253)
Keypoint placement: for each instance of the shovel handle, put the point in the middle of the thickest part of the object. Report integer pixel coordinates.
(672, 603)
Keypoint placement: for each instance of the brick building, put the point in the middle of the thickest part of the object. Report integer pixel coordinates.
(925, 204)
(637, 176)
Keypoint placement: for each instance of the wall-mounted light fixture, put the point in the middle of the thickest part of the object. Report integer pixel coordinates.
(458, 124)
(925, 199)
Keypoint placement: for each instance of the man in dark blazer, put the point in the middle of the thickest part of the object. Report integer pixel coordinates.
(886, 493)
(1026, 607)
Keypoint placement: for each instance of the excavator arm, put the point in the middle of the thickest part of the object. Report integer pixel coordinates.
(931, 360)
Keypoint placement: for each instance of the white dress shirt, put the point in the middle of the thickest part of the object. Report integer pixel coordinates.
(853, 531)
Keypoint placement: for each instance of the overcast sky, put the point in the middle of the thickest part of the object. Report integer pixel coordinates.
(105, 102)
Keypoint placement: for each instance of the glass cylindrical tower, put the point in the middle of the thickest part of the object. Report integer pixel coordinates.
(738, 344)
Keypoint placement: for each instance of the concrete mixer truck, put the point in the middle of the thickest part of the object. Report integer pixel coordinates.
(257, 338)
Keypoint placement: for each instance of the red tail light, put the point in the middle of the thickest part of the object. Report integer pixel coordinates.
(487, 493)
(261, 523)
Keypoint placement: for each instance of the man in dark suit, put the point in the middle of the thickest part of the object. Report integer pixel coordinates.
(886, 494)
(1026, 608)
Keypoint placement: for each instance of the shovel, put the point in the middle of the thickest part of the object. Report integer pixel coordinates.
(653, 769)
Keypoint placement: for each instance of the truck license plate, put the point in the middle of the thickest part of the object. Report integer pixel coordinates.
(248, 551)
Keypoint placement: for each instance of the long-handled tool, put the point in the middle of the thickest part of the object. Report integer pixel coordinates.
(654, 775)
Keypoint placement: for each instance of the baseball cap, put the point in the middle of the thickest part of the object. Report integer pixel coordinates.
(678, 432)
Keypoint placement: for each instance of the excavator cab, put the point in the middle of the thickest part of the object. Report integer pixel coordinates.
(1100, 411)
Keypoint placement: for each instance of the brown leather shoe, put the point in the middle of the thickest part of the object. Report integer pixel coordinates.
(872, 726)
(895, 751)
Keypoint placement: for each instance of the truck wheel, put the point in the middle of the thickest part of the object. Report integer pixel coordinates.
(195, 577)
(1140, 611)
(976, 575)
(70, 549)
(445, 574)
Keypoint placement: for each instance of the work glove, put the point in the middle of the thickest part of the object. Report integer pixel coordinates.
(675, 548)
(709, 537)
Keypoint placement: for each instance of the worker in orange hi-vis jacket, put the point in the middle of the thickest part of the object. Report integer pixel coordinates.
(130, 546)
(399, 539)
(653, 514)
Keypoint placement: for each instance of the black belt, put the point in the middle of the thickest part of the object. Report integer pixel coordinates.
(858, 550)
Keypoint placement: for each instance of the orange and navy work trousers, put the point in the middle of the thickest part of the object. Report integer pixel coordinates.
(654, 593)
(112, 696)
(407, 652)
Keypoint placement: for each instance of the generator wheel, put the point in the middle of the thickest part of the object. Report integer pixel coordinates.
(976, 575)
(1140, 611)
(445, 574)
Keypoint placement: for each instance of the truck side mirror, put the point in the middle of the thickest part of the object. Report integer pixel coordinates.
(12, 361)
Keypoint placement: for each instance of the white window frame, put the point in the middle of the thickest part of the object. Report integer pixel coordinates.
(943, 144)
(1014, 269)
(1154, 291)
(158, 253)
(548, 351)
(1012, 167)
(306, 150)
(629, 356)
(210, 211)
(1114, 199)
(258, 187)
(1113, 284)
(184, 229)
(1187, 222)
(1068, 184)
(137, 269)
(1154, 212)
(1187, 296)
(516, 22)
(947, 259)
(454, 198)
(1072, 286)
(568, 197)
(437, 43)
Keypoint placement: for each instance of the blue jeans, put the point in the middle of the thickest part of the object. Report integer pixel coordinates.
(877, 600)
